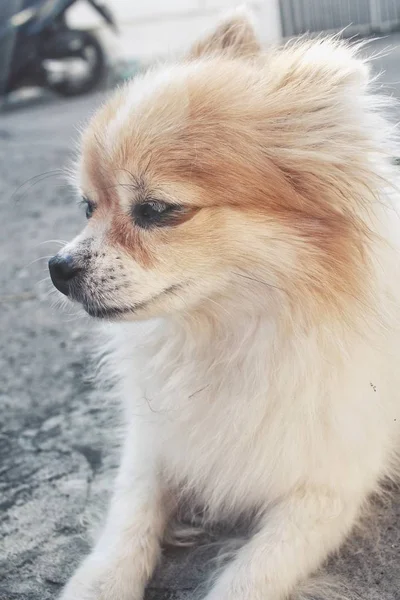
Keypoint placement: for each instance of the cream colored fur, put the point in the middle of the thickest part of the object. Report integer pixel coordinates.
(251, 390)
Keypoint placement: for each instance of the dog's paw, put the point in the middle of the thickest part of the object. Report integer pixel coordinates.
(101, 579)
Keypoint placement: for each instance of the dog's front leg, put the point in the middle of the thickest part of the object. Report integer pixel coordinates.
(294, 539)
(124, 558)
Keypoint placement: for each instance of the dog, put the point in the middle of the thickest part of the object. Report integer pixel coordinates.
(242, 249)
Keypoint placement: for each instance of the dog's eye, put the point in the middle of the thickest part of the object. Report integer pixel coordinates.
(154, 213)
(89, 206)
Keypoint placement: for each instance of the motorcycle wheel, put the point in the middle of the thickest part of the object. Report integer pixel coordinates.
(93, 55)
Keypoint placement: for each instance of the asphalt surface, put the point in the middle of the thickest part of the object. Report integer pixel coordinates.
(57, 442)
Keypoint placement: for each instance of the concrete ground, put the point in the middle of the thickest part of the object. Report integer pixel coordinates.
(56, 434)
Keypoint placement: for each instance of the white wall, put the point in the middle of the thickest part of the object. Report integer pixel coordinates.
(152, 28)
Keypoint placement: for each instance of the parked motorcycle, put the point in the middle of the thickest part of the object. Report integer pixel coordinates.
(38, 48)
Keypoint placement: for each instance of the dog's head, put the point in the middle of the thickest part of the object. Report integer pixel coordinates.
(233, 174)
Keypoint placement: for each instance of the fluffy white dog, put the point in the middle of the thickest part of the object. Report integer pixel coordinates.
(243, 235)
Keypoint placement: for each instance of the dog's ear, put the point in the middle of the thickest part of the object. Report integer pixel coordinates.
(233, 36)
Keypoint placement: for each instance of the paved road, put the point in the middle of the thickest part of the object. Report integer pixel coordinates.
(56, 450)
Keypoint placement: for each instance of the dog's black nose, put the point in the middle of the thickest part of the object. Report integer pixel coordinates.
(62, 270)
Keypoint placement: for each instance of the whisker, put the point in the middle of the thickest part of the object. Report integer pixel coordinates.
(110, 187)
(51, 292)
(38, 259)
(60, 242)
(79, 315)
(270, 285)
(33, 181)
(42, 280)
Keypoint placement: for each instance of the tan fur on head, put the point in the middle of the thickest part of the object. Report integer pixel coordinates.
(271, 157)
(234, 36)
(242, 209)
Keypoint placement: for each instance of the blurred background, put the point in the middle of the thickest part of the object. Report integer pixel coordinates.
(74, 46)
(59, 59)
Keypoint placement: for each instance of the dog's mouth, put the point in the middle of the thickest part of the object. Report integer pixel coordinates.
(101, 311)
(104, 312)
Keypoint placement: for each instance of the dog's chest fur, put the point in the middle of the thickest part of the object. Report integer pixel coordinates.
(237, 420)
